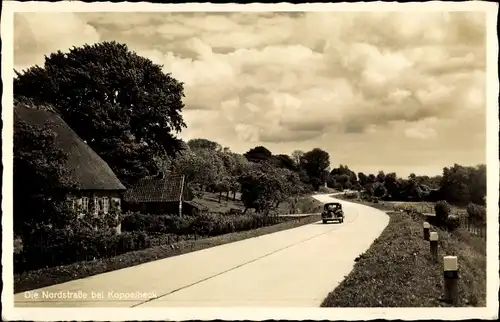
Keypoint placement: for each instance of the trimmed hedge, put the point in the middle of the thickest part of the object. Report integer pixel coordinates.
(205, 224)
(61, 247)
(64, 247)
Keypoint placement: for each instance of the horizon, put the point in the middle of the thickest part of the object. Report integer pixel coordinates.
(406, 96)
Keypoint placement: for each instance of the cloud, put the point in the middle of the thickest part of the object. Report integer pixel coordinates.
(423, 129)
(293, 78)
(39, 34)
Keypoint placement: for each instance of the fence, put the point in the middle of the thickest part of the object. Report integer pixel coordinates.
(425, 211)
(472, 227)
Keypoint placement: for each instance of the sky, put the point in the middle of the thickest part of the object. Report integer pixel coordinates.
(397, 91)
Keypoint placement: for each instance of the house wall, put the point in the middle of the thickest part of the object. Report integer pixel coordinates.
(83, 198)
(79, 198)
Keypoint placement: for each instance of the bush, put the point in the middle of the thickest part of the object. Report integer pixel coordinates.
(61, 247)
(476, 213)
(157, 223)
(452, 222)
(204, 224)
(351, 195)
(442, 210)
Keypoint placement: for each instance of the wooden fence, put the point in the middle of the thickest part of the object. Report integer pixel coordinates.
(424, 211)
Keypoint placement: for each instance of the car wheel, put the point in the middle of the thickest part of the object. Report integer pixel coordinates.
(324, 221)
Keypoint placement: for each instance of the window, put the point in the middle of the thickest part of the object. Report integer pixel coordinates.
(105, 204)
(85, 203)
(77, 204)
(96, 206)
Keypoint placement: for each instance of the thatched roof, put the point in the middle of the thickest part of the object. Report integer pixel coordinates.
(161, 188)
(88, 170)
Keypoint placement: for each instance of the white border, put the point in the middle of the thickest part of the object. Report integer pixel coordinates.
(112, 314)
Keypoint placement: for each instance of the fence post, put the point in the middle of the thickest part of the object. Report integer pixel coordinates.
(450, 267)
(434, 245)
(426, 230)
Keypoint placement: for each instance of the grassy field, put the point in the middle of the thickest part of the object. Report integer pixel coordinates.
(397, 270)
(211, 200)
(60, 274)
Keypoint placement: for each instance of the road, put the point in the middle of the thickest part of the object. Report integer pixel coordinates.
(292, 268)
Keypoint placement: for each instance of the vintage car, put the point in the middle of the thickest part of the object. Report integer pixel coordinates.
(332, 212)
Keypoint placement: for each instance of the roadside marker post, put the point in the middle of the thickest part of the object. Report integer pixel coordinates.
(427, 227)
(450, 266)
(434, 245)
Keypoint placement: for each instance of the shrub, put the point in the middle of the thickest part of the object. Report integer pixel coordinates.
(157, 223)
(452, 222)
(134, 221)
(60, 247)
(477, 213)
(351, 195)
(323, 189)
(442, 210)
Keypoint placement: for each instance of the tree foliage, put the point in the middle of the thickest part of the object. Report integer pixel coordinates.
(123, 105)
(315, 162)
(39, 171)
(258, 154)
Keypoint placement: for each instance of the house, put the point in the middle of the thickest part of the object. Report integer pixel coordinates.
(162, 194)
(95, 182)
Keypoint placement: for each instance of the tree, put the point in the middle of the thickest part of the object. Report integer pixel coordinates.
(203, 168)
(284, 161)
(258, 154)
(379, 190)
(264, 187)
(201, 144)
(40, 179)
(459, 185)
(363, 179)
(315, 162)
(123, 105)
(380, 176)
(392, 186)
(344, 176)
(296, 157)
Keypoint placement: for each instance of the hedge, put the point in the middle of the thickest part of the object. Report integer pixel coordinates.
(61, 247)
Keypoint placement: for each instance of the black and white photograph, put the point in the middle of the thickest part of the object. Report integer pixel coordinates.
(272, 158)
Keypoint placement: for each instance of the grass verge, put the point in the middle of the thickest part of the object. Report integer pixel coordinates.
(397, 270)
(60, 274)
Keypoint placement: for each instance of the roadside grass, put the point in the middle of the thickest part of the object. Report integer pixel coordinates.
(424, 206)
(420, 206)
(55, 275)
(397, 270)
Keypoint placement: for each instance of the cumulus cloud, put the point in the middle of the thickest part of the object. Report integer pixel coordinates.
(290, 78)
(39, 34)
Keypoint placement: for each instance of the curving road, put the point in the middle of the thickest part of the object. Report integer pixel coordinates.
(293, 268)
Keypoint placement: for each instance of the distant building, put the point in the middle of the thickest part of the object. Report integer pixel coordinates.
(95, 182)
(162, 194)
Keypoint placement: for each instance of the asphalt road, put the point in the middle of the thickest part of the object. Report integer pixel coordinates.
(292, 268)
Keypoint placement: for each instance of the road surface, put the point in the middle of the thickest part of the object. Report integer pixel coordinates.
(292, 268)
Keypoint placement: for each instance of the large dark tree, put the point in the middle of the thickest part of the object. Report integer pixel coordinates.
(461, 185)
(39, 171)
(123, 105)
(258, 154)
(315, 162)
